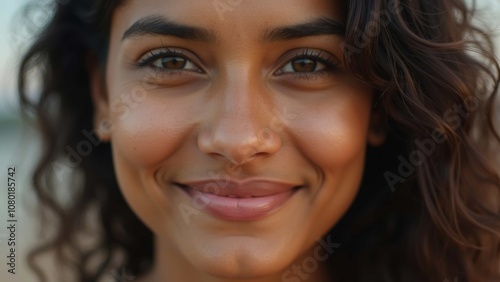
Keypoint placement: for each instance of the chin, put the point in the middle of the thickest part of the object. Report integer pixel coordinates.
(245, 261)
(242, 269)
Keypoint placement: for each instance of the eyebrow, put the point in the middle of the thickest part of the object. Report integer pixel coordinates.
(314, 27)
(159, 25)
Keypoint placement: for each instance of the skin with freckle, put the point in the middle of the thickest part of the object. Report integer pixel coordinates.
(239, 105)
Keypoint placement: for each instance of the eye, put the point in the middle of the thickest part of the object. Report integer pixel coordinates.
(168, 60)
(303, 65)
(310, 62)
(174, 63)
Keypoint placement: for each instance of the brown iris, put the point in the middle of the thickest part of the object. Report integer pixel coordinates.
(173, 62)
(304, 65)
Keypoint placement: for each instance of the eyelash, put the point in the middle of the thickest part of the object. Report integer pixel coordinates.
(331, 64)
(152, 56)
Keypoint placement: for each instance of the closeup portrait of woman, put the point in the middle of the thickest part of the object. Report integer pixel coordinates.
(266, 141)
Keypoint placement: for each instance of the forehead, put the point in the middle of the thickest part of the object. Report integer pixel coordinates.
(227, 18)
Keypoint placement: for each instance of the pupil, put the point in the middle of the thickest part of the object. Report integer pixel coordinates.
(304, 65)
(174, 62)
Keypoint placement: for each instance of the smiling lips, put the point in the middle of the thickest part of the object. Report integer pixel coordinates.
(239, 201)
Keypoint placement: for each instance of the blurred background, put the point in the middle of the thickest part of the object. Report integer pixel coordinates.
(18, 143)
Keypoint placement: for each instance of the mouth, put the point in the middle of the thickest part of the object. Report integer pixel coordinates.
(239, 201)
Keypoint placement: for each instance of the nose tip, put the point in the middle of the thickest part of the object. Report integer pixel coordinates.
(239, 144)
(237, 119)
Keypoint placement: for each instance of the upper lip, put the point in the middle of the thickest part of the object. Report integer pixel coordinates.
(240, 188)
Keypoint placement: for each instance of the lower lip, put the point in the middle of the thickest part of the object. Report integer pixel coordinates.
(239, 209)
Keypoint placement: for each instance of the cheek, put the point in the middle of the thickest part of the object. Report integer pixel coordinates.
(333, 137)
(147, 131)
(144, 133)
(334, 134)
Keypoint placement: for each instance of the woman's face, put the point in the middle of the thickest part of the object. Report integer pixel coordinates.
(238, 136)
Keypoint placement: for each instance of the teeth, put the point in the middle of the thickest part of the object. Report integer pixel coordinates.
(244, 196)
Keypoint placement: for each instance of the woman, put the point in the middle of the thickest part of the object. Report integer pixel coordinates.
(268, 140)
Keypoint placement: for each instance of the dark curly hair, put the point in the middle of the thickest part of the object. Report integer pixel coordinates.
(429, 204)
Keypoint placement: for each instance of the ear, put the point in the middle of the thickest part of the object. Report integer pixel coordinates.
(377, 131)
(100, 99)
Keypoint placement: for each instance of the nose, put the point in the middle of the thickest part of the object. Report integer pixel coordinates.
(238, 127)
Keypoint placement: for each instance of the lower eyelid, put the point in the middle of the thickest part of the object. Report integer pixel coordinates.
(163, 77)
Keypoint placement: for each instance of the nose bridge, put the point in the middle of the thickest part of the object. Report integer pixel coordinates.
(237, 128)
(240, 98)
